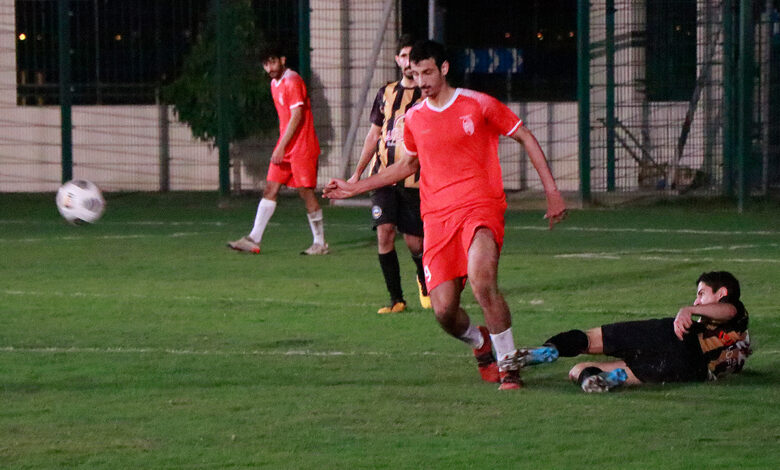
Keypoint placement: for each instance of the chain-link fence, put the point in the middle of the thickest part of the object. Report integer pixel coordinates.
(666, 83)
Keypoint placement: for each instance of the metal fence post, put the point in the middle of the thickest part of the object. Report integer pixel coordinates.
(223, 139)
(66, 99)
(583, 95)
(610, 70)
(304, 41)
(745, 98)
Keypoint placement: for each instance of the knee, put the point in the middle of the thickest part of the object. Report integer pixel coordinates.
(446, 314)
(574, 373)
(385, 234)
(485, 291)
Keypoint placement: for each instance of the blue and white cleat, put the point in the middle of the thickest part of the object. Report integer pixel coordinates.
(540, 355)
(604, 381)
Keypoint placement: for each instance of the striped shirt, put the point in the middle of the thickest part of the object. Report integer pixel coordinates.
(725, 345)
(391, 103)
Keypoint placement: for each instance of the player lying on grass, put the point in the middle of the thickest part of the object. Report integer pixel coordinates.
(451, 138)
(705, 341)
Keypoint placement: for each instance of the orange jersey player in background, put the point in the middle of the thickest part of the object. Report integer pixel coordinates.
(294, 158)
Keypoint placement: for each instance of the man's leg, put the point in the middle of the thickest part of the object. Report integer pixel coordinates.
(265, 209)
(391, 271)
(415, 245)
(445, 299)
(316, 223)
(483, 275)
(602, 376)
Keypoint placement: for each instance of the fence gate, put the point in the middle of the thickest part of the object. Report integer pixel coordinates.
(679, 96)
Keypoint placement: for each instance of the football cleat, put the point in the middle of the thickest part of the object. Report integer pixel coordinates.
(396, 307)
(540, 355)
(245, 244)
(509, 372)
(425, 299)
(486, 361)
(604, 381)
(316, 249)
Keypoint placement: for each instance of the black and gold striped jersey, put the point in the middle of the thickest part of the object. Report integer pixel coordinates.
(391, 103)
(725, 345)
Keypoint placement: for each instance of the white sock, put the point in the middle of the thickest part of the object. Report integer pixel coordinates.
(264, 212)
(472, 337)
(317, 226)
(504, 344)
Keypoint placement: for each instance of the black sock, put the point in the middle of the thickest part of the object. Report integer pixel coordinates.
(570, 343)
(587, 372)
(420, 272)
(392, 272)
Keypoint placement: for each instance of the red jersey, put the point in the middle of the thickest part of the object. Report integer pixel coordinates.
(289, 92)
(457, 148)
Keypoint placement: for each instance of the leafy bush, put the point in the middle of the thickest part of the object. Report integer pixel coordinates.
(249, 108)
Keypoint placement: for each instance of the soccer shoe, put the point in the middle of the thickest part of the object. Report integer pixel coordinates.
(425, 299)
(540, 355)
(316, 249)
(604, 381)
(509, 372)
(486, 362)
(245, 244)
(396, 307)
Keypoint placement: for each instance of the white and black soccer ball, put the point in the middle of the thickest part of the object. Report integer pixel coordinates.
(80, 202)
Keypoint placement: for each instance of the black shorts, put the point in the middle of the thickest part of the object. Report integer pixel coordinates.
(653, 352)
(398, 206)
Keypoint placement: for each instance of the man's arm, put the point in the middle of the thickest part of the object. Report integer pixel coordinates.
(296, 117)
(406, 166)
(556, 208)
(719, 311)
(369, 147)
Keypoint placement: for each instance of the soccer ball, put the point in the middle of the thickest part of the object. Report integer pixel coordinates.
(80, 201)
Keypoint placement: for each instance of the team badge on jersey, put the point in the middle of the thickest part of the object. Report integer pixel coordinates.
(397, 134)
(468, 124)
(376, 212)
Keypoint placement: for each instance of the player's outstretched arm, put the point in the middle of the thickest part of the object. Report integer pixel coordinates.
(556, 207)
(369, 147)
(402, 168)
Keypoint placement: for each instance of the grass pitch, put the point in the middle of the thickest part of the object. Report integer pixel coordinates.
(143, 342)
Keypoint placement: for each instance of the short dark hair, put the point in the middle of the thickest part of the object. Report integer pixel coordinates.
(717, 279)
(404, 40)
(271, 51)
(428, 49)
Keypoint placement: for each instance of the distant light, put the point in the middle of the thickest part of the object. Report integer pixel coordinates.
(22, 36)
(571, 34)
(507, 35)
(678, 28)
(539, 36)
(118, 37)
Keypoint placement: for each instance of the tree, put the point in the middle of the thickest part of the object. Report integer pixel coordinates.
(249, 108)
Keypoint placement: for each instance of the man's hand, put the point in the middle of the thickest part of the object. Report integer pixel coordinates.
(354, 178)
(277, 156)
(682, 322)
(556, 208)
(338, 189)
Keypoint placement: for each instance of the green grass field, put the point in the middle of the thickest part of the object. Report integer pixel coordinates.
(143, 342)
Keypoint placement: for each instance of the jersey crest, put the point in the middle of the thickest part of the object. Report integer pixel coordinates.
(468, 124)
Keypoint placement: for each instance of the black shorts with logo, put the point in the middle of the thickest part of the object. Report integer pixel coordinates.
(398, 206)
(653, 352)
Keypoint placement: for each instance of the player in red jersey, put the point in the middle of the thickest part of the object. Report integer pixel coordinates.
(294, 159)
(451, 137)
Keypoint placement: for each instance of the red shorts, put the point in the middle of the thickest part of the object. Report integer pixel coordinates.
(296, 173)
(447, 241)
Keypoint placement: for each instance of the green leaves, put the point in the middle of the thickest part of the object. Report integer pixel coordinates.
(194, 94)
